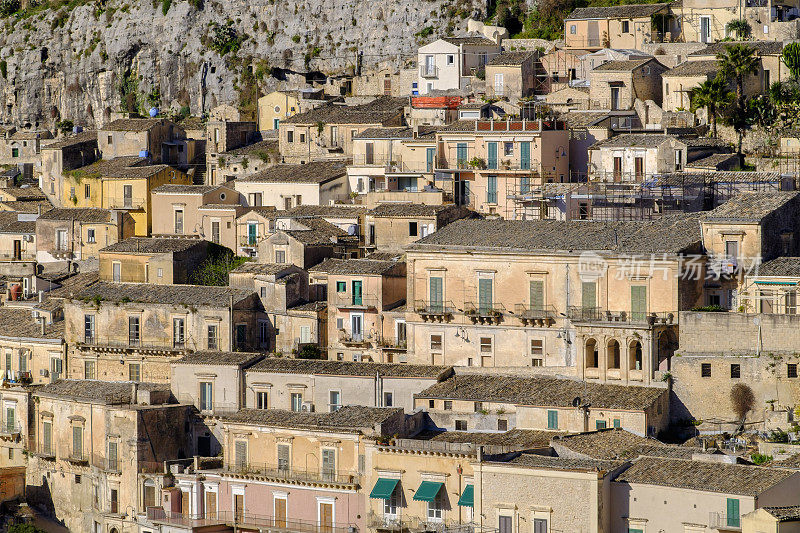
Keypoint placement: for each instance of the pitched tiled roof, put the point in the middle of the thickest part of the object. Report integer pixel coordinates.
(324, 211)
(378, 111)
(185, 189)
(131, 167)
(469, 39)
(15, 226)
(309, 306)
(81, 214)
(704, 476)
(188, 295)
(401, 209)
(624, 65)
(152, 245)
(713, 161)
(750, 206)
(132, 124)
(402, 132)
(366, 267)
(694, 68)
(784, 514)
(349, 419)
(256, 149)
(670, 234)
(618, 444)
(531, 460)
(521, 438)
(511, 58)
(762, 47)
(242, 359)
(637, 140)
(544, 391)
(29, 206)
(281, 365)
(24, 193)
(20, 323)
(620, 11)
(780, 266)
(107, 392)
(319, 232)
(314, 172)
(269, 269)
(72, 140)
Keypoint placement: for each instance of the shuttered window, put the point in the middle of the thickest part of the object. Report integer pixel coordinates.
(525, 155)
(77, 441)
(638, 302)
(436, 292)
(588, 294)
(491, 150)
(241, 454)
(537, 294)
(491, 189)
(733, 512)
(552, 419)
(47, 437)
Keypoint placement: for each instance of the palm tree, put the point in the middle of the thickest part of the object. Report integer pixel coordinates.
(713, 95)
(736, 62)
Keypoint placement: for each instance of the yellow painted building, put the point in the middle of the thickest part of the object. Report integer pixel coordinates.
(123, 183)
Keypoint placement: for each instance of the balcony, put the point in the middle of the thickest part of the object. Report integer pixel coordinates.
(129, 343)
(127, 202)
(10, 431)
(723, 522)
(538, 316)
(600, 315)
(429, 71)
(434, 311)
(106, 464)
(45, 452)
(346, 300)
(355, 340)
(241, 519)
(391, 343)
(78, 457)
(407, 524)
(290, 474)
(248, 241)
(484, 312)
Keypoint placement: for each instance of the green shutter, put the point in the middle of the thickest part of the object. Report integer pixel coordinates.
(552, 419)
(77, 441)
(617, 423)
(638, 302)
(537, 295)
(485, 294)
(436, 293)
(600, 424)
(525, 185)
(588, 295)
(733, 512)
(461, 155)
(430, 154)
(357, 300)
(241, 454)
(525, 155)
(491, 189)
(491, 148)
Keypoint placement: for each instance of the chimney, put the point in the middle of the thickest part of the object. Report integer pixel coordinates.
(40, 296)
(42, 323)
(134, 393)
(415, 132)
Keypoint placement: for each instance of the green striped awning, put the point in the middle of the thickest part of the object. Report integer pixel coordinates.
(427, 491)
(467, 497)
(383, 488)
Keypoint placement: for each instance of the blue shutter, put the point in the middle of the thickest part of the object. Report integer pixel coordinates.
(491, 163)
(430, 154)
(484, 295)
(436, 294)
(491, 189)
(461, 155)
(552, 419)
(525, 155)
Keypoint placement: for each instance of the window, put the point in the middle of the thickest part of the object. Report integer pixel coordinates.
(625, 26)
(705, 370)
(678, 159)
(114, 501)
(179, 221)
(88, 329)
(280, 256)
(87, 191)
(47, 437)
(302, 137)
(133, 330)
(215, 231)
(297, 401)
(149, 494)
(431, 404)
(436, 507)
(254, 200)
(328, 463)
(436, 343)
(111, 459)
(290, 136)
(736, 371)
(600, 424)
(90, 236)
(573, 29)
(388, 399)
(461, 425)
(508, 148)
(15, 152)
(539, 525)
(791, 370)
(477, 407)
(283, 456)
(241, 335)
(213, 340)
(341, 286)
(451, 59)
(486, 345)
(617, 423)
(588, 295)
(552, 419)
(391, 503)
(240, 454)
(335, 400)
(77, 442)
(732, 516)
(504, 524)
(502, 424)
(412, 229)
(89, 370)
(491, 189)
(23, 360)
(262, 400)
(638, 302)
(448, 405)
(305, 334)
(134, 372)
(537, 351)
(206, 395)
(263, 332)
(178, 332)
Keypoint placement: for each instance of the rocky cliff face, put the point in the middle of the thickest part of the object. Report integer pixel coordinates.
(82, 59)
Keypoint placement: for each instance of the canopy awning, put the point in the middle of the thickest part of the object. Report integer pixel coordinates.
(467, 497)
(427, 491)
(383, 488)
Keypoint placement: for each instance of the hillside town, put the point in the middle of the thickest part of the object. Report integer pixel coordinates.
(505, 285)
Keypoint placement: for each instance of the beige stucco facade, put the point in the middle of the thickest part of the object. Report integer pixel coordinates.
(178, 210)
(618, 88)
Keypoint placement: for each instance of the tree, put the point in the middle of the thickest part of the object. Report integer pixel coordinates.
(742, 401)
(214, 270)
(791, 58)
(736, 62)
(24, 528)
(713, 95)
(741, 28)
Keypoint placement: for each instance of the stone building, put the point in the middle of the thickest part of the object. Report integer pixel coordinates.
(496, 402)
(133, 331)
(178, 207)
(88, 441)
(165, 261)
(622, 26)
(244, 160)
(618, 84)
(156, 139)
(62, 156)
(571, 293)
(327, 132)
(22, 147)
(78, 234)
(359, 292)
(224, 134)
(392, 226)
(512, 75)
(306, 242)
(33, 348)
(453, 62)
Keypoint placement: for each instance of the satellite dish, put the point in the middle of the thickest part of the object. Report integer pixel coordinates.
(352, 229)
(576, 402)
(153, 112)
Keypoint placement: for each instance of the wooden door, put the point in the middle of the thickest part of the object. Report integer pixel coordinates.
(211, 504)
(238, 507)
(325, 517)
(185, 504)
(639, 166)
(17, 250)
(280, 512)
(617, 169)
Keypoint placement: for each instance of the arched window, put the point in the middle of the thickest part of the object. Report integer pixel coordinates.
(613, 353)
(635, 356)
(591, 353)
